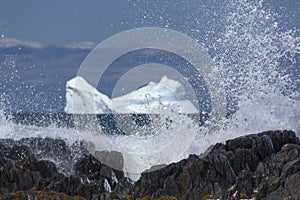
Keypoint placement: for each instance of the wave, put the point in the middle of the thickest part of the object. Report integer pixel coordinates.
(257, 60)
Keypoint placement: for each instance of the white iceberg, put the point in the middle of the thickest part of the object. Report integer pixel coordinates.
(82, 98)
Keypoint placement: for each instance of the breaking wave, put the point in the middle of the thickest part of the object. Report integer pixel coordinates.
(259, 64)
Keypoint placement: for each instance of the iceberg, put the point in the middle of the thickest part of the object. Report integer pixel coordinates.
(82, 98)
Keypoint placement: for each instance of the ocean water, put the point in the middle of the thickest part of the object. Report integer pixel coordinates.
(259, 64)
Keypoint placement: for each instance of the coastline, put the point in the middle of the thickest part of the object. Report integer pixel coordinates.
(257, 166)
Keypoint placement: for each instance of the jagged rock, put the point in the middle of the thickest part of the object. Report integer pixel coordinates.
(88, 165)
(46, 169)
(122, 188)
(280, 138)
(288, 190)
(263, 147)
(245, 182)
(264, 166)
(190, 178)
(22, 167)
(259, 165)
(273, 174)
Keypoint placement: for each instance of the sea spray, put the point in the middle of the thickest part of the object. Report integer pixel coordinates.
(249, 54)
(250, 51)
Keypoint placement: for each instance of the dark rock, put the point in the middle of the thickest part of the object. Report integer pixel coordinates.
(21, 156)
(243, 142)
(245, 182)
(109, 174)
(290, 168)
(289, 189)
(292, 186)
(280, 138)
(262, 147)
(122, 188)
(3, 152)
(47, 169)
(264, 166)
(23, 167)
(5, 194)
(88, 165)
(244, 159)
(278, 170)
(250, 166)
(189, 178)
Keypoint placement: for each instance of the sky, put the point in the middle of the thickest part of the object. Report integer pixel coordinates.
(61, 22)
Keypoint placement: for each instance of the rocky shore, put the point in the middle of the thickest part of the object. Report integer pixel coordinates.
(258, 166)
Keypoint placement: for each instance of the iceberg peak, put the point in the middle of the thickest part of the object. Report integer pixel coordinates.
(82, 98)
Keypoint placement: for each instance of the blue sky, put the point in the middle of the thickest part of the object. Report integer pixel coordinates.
(61, 22)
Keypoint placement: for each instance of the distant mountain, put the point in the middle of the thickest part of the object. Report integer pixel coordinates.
(33, 77)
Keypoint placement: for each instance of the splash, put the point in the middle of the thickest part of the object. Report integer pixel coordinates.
(251, 51)
(256, 58)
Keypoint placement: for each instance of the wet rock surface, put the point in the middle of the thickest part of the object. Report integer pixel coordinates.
(264, 166)
(47, 168)
(261, 166)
